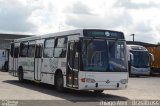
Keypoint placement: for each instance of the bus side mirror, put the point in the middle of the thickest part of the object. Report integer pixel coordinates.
(151, 56)
(79, 47)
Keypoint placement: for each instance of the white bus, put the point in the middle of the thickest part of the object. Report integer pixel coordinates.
(83, 59)
(139, 60)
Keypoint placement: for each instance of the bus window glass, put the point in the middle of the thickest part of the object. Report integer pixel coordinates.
(12, 49)
(61, 42)
(60, 52)
(16, 52)
(49, 43)
(24, 49)
(141, 59)
(60, 49)
(116, 56)
(38, 53)
(94, 55)
(31, 49)
(73, 55)
(49, 48)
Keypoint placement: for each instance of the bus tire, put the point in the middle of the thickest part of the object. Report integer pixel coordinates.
(20, 75)
(59, 82)
(98, 91)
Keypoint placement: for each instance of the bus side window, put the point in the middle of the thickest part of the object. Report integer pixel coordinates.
(73, 55)
(38, 53)
(23, 49)
(60, 47)
(31, 49)
(12, 49)
(16, 52)
(48, 48)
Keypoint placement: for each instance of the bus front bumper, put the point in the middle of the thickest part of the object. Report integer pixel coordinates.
(103, 80)
(102, 86)
(140, 71)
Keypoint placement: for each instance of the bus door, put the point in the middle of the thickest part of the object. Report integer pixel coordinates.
(72, 65)
(38, 62)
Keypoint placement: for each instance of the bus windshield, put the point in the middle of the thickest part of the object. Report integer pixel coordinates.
(117, 59)
(99, 56)
(141, 59)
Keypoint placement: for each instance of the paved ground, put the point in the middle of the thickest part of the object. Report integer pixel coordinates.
(144, 88)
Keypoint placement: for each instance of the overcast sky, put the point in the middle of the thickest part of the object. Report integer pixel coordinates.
(141, 17)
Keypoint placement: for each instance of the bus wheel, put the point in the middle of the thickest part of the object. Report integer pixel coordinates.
(59, 82)
(98, 91)
(20, 75)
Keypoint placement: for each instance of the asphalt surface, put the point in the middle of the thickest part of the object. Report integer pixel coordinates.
(33, 94)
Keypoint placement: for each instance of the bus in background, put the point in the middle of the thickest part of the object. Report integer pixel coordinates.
(139, 60)
(83, 59)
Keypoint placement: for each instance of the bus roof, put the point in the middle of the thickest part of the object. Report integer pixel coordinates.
(63, 33)
(137, 47)
(27, 38)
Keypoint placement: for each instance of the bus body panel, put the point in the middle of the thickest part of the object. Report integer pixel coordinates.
(37, 69)
(104, 80)
(49, 66)
(27, 65)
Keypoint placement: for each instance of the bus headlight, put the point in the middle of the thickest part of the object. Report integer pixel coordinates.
(88, 80)
(124, 81)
